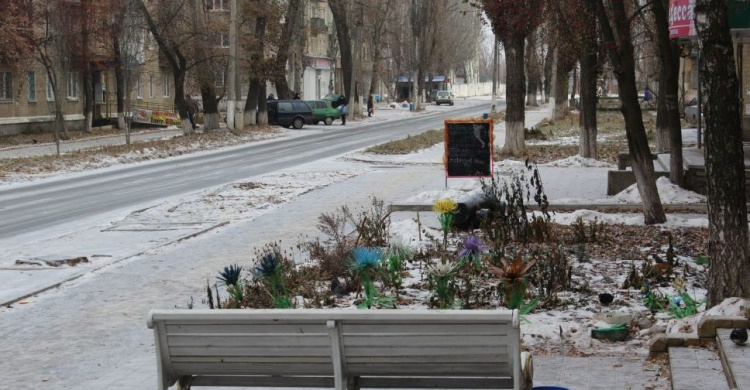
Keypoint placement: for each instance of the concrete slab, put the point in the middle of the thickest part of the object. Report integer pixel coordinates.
(696, 368)
(738, 358)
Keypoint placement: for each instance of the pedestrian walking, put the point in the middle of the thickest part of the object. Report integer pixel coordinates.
(342, 104)
(271, 97)
(192, 108)
(370, 106)
(297, 96)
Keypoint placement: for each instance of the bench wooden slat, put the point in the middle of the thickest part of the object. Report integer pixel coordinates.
(247, 329)
(432, 369)
(450, 383)
(204, 368)
(500, 359)
(419, 352)
(405, 329)
(259, 340)
(262, 381)
(414, 340)
(252, 359)
(250, 351)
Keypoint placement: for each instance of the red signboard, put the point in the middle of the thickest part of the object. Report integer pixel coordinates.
(681, 15)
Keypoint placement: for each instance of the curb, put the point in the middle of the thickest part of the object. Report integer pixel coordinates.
(95, 269)
(68, 142)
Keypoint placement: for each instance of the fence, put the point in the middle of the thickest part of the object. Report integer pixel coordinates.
(476, 89)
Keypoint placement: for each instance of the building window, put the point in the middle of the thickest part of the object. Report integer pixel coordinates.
(222, 40)
(6, 85)
(31, 85)
(72, 86)
(151, 86)
(50, 90)
(138, 87)
(218, 5)
(166, 85)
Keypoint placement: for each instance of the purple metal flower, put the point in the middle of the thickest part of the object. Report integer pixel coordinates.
(473, 247)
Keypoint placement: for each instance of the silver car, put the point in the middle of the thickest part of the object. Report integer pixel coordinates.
(691, 112)
(444, 97)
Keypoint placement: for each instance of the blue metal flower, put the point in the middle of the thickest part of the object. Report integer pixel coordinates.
(473, 247)
(230, 276)
(366, 257)
(268, 265)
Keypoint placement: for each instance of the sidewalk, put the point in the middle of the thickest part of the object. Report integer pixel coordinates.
(86, 143)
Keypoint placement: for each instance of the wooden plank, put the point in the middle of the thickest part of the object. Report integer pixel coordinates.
(339, 365)
(258, 340)
(448, 329)
(322, 315)
(250, 351)
(499, 358)
(246, 329)
(264, 381)
(367, 340)
(401, 352)
(253, 359)
(443, 383)
(431, 369)
(252, 369)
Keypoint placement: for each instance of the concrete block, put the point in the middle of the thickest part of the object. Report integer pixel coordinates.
(706, 327)
(620, 180)
(657, 343)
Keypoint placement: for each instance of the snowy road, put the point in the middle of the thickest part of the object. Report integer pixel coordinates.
(52, 202)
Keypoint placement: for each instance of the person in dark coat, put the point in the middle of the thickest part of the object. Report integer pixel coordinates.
(342, 104)
(271, 97)
(192, 108)
(296, 96)
(370, 106)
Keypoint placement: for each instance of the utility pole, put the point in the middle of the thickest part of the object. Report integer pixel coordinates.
(232, 82)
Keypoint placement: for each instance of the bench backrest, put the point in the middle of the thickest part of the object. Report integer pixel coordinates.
(457, 343)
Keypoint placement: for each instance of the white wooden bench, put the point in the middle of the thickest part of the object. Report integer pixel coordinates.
(344, 349)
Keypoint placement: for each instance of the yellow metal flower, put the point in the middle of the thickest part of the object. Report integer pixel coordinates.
(445, 206)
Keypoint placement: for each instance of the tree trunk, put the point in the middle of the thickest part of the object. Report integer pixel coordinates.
(562, 80)
(291, 23)
(574, 86)
(548, 66)
(88, 99)
(668, 91)
(262, 105)
(516, 85)
(251, 105)
(338, 9)
(587, 117)
(120, 94)
(729, 272)
(622, 59)
(532, 69)
(179, 100)
(662, 121)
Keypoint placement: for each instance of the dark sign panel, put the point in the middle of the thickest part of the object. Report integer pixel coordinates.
(468, 147)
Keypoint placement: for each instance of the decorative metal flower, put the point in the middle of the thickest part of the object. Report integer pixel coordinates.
(473, 247)
(445, 206)
(440, 269)
(268, 265)
(366, 257)
(230, 276)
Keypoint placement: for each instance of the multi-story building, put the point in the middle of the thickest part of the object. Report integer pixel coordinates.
(317, 64)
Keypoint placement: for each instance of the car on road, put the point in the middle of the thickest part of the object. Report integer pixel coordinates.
(444, 97)
(323, 111)
(295, 113)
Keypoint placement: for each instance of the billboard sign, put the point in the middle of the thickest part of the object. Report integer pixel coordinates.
(681, 15)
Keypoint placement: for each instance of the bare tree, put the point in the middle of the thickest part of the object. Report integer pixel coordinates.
(617, 39)
(171, 27)
(728, 248)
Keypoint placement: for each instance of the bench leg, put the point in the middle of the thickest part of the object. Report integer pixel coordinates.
(184, 383)
(352, 383)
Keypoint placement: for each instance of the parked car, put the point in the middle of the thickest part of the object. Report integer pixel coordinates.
(295, 113)
(332, 97)
(444, 97)
(324, 111)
